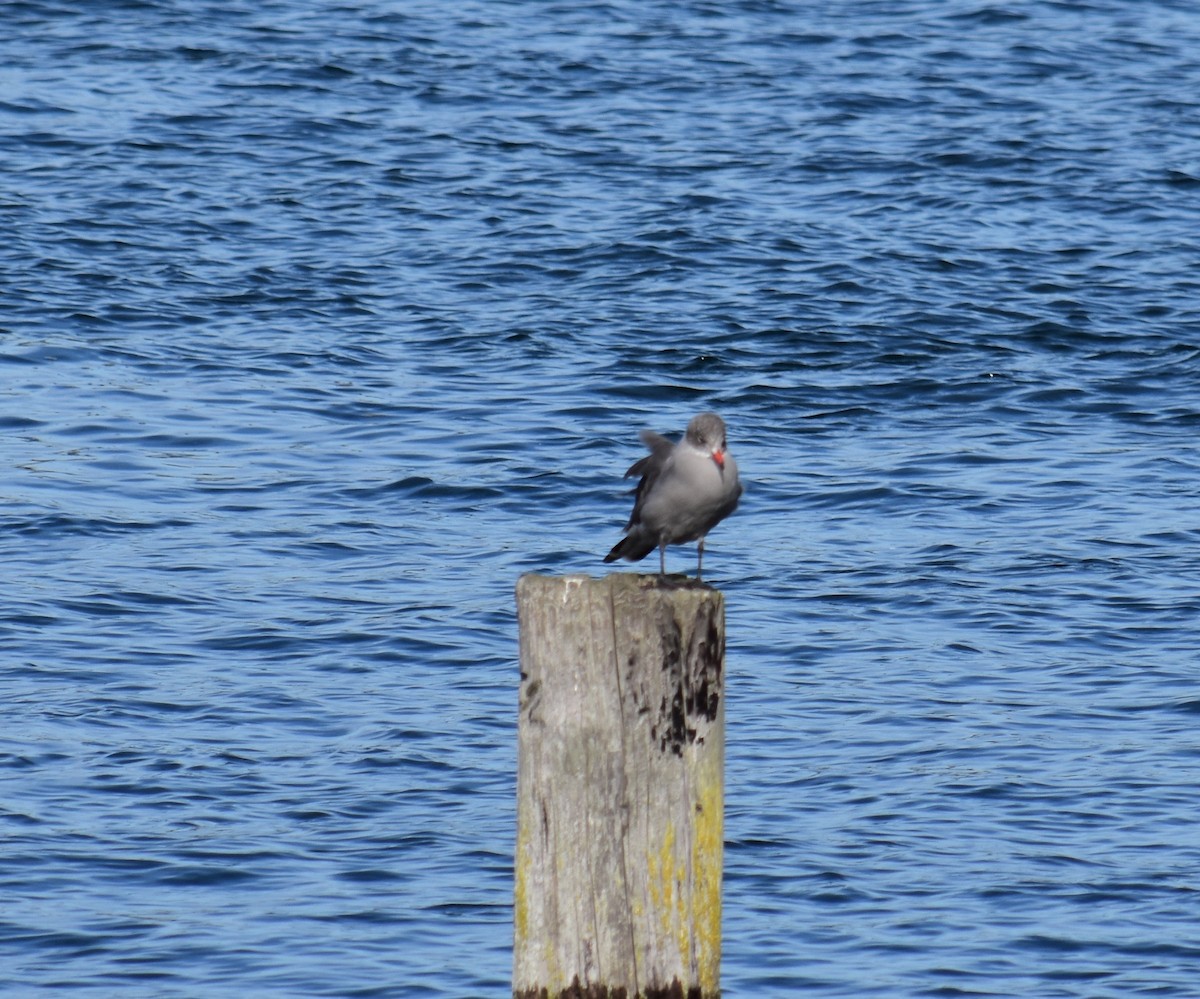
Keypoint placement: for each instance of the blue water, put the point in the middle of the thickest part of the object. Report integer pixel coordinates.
(321, 323)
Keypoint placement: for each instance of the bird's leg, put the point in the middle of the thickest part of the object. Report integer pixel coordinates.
(662, 558)
(699, 559)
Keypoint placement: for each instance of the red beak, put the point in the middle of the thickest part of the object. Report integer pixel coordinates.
(719, 457)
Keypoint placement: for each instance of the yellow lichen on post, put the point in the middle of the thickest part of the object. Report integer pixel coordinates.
(710, 838)
(521, 859)
(620, 787)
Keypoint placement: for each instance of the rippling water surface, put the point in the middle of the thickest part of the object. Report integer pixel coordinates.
(323, 322)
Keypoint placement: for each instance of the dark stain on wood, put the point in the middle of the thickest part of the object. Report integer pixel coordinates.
(577, 990)
(695, 679)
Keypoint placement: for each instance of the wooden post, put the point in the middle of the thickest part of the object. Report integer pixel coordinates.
(620, 788)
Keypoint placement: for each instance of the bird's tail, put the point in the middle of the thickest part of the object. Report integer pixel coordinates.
(634, 547)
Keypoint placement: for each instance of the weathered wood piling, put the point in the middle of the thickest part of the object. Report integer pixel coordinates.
(620, 788)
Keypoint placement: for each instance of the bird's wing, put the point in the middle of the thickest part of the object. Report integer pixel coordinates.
(658, 445)
(649, 468)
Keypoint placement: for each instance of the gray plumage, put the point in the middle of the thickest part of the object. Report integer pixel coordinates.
(685, 491)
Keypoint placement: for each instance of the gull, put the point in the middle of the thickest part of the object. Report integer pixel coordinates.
(686, 489)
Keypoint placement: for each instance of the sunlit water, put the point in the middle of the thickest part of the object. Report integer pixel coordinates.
(323, 323)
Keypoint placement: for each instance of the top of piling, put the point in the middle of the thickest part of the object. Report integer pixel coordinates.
(623, 582)
(682, 593)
